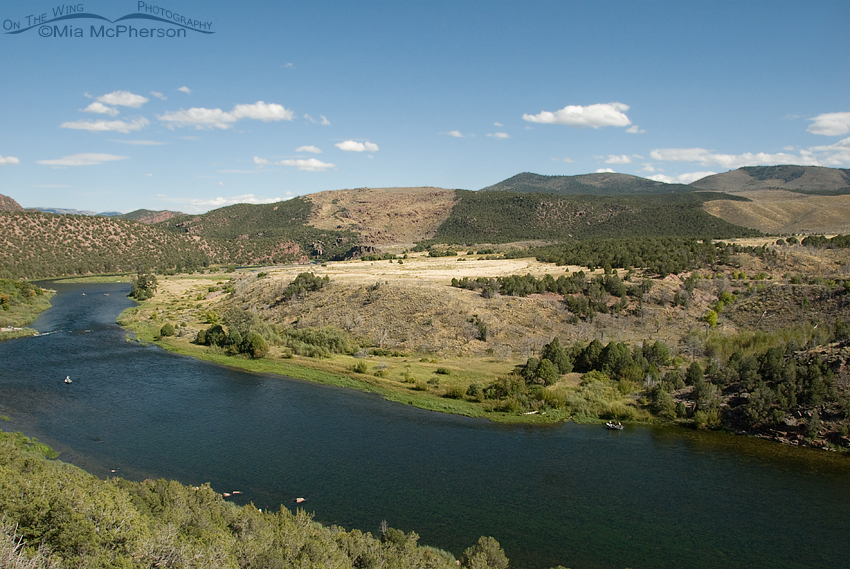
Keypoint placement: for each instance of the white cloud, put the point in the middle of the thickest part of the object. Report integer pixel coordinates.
(201, 118)
(288, 66)
(834, 155)
(605, 171)
(648, 168)
(830, 124)
(105, 126)
(9, 160)
(565, 159)
(594, 116)
(322, 120)
(100, 108)
(309, 165)
(498, 124)
(85, 159)
(312, 149)
(353, 146)
(455, 133)
(729, 161)
(681, 178)
(612, 159)
(140, 142)
(635, 130)
(123, 99)
(185, 89)
(499, 135)
(159, 95)
(262, 111)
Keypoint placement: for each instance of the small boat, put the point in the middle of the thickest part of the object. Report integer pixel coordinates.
(614, 426)
(300, 500)
(67, 379)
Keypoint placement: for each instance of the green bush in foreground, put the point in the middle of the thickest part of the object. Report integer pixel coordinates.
(64, 517)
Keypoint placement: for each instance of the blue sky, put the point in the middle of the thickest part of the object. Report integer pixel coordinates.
(291, 98)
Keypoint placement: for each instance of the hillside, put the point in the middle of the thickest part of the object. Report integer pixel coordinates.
(600, 184)
(150, 217)
(805, 179)
(783, 199)
(8, 204)
(383, 216)
(36, 245)
(502, 217)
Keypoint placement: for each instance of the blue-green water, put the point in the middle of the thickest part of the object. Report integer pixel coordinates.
(576, 495)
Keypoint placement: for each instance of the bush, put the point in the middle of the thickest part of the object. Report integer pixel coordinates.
(442, 371)
(166, 330)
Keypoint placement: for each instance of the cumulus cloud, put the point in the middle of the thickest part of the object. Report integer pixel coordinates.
(565, 159)
(613, 159)
(729, 161)
(354, 146)
(635, 130)
(105, 126)
(498, 124)
(102, 109)
(455, 133)
(201, 118)
(681, 178)
(830, 124)
(499, 135)
(312, 149)
(262, 161)
(605, 171)
(123, 99)
(833, 155)
(262, 111)
(309, 165)
(185, 89)
(8, 160)
(322, 120)
(594, 116)
(84, 159)
(159, 95)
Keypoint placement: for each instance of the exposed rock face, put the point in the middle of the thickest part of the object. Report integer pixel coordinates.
(8, 204)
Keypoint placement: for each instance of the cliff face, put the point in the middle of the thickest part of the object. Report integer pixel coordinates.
(8, 204)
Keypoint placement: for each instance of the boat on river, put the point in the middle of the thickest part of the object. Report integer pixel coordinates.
(614, 426)
(67, 379)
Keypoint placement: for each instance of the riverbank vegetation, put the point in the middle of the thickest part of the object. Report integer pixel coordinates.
(526, 340)
(54, 515)
(20, 303)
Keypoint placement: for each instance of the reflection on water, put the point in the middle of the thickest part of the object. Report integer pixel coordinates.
(577, 495)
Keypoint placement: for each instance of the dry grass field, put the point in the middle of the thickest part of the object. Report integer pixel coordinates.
(785, 212)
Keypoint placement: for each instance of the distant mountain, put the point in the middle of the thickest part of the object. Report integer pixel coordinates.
(8, 204)
(815, 180)
(149, 216)
(62, 211)
(600, 184)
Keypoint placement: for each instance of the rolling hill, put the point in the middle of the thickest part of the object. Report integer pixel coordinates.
(783, 199)
(600, 184)
(804, 179)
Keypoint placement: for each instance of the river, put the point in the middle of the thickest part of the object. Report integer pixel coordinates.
(576, 495)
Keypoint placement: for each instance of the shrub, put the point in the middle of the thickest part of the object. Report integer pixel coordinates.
(442, 371)
(167, 330)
